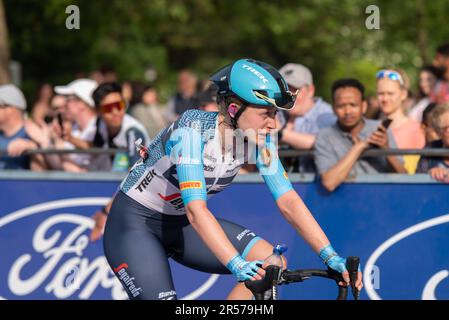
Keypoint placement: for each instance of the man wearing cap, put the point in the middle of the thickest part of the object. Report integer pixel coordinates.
(310, 113)
(15, 139)
(80, 121)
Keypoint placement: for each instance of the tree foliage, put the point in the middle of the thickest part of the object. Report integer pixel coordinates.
(328, 36)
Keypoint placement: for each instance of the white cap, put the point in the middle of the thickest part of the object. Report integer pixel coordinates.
(82, 88)
(296, 75)
(11, 95)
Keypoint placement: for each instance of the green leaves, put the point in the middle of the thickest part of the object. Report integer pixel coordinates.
(328, 36)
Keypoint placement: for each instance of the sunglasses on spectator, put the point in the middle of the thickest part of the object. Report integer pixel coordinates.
(119, 105)
(390, 74)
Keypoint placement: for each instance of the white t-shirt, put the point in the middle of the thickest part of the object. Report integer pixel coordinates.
(87, 134)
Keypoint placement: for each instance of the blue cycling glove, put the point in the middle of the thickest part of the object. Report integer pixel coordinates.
(242, 269)
(332, 259)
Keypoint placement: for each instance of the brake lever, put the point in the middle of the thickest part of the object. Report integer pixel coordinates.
(352, 264)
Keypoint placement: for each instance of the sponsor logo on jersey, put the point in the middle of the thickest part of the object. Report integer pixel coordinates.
(174, 199)
(168, 295)
(208, 168)
(210, 158)
(190, 185)
(146, 181)
(245, 232)
(127, 280)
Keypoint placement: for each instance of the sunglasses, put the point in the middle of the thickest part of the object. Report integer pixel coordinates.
(119, 105)
(282, 100)
(390, 74)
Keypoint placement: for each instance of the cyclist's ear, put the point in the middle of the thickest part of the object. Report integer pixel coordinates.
(233, 108)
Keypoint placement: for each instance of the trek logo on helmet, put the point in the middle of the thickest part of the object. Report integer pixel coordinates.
(255, 72)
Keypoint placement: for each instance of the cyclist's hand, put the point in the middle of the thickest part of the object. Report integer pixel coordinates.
(245, 270)
(337, 263)
(100, 222)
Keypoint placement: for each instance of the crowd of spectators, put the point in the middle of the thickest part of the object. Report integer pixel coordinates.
(96, 111)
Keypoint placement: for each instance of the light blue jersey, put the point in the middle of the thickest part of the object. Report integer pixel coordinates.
(186, 163)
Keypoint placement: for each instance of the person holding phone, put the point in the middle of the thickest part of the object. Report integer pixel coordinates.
(392, 86)
(338, 148)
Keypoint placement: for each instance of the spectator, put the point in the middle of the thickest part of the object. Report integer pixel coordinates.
(115, 129)
(373, 110)
(105, 74)
(392, 92)
(427, 126)
(15, 136)
(184, 97)
(41, 107)
(79, 122)
(338, 147)
(440, 93)
(441, 60)
(206, 100)
(428, 77)
(438, 167)
(309, 115)
(148, 111)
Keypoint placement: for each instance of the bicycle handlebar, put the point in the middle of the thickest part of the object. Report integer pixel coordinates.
(274, 277)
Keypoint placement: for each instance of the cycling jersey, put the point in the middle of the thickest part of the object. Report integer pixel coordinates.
(186, 163)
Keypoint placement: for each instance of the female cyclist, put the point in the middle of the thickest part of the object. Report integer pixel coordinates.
(161, 212)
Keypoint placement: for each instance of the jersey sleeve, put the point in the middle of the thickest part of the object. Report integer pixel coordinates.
(273, 174)
(186, 150)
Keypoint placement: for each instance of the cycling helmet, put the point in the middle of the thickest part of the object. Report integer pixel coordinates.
(254, 82)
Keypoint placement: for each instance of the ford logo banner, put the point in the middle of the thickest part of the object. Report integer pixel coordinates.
(45, 251)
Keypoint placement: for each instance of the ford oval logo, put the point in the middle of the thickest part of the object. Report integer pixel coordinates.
(46, 254)
(405, 257)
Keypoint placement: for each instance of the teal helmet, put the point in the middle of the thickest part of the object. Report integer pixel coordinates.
(255, 83)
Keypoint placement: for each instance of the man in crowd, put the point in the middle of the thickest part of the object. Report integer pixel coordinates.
(438, 167)
(15, 132)
(339, 147)
(184, 97)
(309, 115)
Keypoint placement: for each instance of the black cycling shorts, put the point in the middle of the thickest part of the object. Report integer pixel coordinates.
(138, 242)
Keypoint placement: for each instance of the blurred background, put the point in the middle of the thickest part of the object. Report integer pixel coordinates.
(152, 40)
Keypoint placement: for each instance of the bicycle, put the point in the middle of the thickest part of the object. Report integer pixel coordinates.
(274, 277)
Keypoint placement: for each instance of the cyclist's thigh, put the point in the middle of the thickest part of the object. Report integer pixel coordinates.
(137, 256)
(194, 253)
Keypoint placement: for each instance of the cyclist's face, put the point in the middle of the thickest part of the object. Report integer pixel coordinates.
(349, 106)
(258, 118)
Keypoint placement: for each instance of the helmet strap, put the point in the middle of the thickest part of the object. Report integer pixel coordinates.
(235, 113)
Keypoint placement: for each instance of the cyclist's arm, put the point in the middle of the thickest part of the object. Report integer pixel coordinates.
(289, 202)
(298, 215)
(210, 231)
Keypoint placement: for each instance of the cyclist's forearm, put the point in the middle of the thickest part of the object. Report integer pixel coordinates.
(212, 234)
(299, 216)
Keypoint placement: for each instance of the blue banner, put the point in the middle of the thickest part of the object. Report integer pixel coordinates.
(398, 230)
